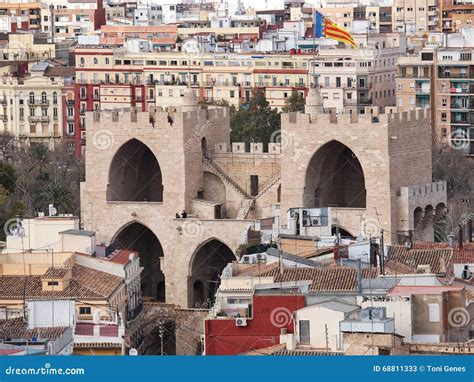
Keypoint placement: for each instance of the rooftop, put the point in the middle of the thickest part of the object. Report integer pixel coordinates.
(56, 273)
(16, 329)
(401, 259)
(78, 232)
(332, 279)
(86, 283)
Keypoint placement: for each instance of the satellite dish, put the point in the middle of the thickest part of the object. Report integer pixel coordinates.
(133, 351)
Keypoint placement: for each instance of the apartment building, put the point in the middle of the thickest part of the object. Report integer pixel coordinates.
(108, 78)
(31, 106)
(31, 11)
(353, 79)
(362, 19)
(27, 47)
(412, 16)
(162, 37)
(456, 14)
(443, 79)
(64, 19)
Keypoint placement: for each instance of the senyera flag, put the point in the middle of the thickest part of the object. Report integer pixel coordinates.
(325, 27)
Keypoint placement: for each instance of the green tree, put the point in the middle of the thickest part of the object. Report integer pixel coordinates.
(7, 177)
(456, 169)
(293, 103)
(255, 121)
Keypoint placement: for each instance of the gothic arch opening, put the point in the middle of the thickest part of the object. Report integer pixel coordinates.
(334, 178)
(206, 266)
(135, 174)
(140, 238)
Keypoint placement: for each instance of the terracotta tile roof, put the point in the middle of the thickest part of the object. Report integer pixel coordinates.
(97, 345)
(465, 255)
(55, 273)
(86, 283)
(331, 279)
(60, 71)
(121, 256)
(16, 329)
(281, 349)
(240, 270)
(403, 257)
(306, 352)
(396, 268)
(10, 351)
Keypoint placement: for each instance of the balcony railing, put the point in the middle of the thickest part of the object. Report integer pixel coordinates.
(265, 84)
(38, 118)
(38, 101)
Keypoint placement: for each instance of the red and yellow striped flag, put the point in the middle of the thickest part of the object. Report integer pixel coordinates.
(325, 27)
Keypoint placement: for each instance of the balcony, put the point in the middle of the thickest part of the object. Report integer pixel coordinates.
(38, 102)
(39, 118)
(271, 84)
(452, 74)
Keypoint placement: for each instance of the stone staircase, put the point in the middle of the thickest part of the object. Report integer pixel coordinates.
(269, 183)
(245, 206)
(225, 178)
(247, 201)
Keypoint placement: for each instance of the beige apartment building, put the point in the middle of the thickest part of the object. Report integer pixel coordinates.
(442, 79)
(412, 16)
(27, 47)
(121, 78)
(31, 106)
(31, 10)
(355, 78)
(362, 18)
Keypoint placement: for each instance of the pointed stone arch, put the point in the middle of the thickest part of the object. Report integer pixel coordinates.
(334, 178)
(135, 174)
(138, 237)
(205, 268)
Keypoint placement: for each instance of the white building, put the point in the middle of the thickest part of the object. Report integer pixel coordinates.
(32, 107)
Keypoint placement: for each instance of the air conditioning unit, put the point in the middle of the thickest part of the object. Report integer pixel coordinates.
(246, 259)
(240, 322)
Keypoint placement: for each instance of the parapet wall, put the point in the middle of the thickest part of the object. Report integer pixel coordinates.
(244, 148)
(371, 116)
(159, 117)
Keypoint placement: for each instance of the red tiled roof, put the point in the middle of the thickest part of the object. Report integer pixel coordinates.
(412, 258)
(55, 273)
(10, 351)
(16, 329)
(465, 255)
(97, 345)
(332, 279)
(86, 283)
(121, 256)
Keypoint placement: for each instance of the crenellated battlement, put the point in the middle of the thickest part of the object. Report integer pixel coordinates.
(158, 117)
(245, 148)
(371, 116)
